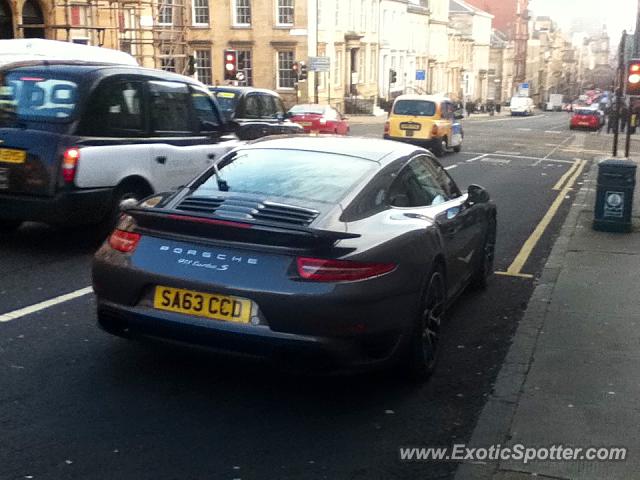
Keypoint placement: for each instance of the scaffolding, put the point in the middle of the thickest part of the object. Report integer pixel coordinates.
(152, 31)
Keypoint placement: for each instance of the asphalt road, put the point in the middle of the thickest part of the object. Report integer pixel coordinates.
(77, 403)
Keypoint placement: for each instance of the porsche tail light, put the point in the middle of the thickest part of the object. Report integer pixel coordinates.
(124, 241)
(70, 159)
(324, 270)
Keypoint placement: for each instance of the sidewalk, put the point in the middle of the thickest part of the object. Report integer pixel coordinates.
(572, 374)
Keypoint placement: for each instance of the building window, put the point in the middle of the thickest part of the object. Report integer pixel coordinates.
(200, 12)
(167, 61)
(338, 13)
(165, 12)
(242, 12)
(245, 65)
(337, 73)
(286, 77)
(363, 16)
(203, 66)
(285, 12)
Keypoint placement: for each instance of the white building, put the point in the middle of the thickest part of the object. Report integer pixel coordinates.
(404, 43)
(475, 23)
(347, 33)
(439, 75)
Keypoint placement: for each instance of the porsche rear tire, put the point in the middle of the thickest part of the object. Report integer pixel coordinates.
(9, 226)
(422, 352)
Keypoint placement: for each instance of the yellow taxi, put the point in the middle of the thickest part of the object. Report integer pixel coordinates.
(430, 121)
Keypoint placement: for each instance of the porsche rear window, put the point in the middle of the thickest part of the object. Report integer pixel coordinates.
(419, 108)
(315, 176)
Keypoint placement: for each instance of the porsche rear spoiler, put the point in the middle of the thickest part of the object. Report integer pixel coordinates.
(277, 234)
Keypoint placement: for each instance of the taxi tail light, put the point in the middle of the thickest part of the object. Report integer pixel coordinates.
(434, 130)
(386, 127)
(324, 270)
(123, 241)
(70, 159)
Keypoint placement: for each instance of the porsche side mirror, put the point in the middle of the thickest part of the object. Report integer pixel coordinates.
(477, 194)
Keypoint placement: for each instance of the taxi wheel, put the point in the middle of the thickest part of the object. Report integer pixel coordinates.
(441, 147)
(457, 148)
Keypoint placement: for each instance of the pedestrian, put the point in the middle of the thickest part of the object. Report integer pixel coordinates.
(624, 113)
(498, 107)
(612, 120)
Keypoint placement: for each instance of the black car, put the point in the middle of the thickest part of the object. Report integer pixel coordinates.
(258, 111)
(346, 250)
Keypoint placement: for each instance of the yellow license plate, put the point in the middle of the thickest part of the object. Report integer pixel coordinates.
(410, 126)
(9, 155)
(207, 305)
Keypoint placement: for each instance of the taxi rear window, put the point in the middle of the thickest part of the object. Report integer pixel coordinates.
(39, 97)
(419, 108)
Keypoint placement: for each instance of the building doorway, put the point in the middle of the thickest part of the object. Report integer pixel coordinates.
(6, 23)
(32, 15)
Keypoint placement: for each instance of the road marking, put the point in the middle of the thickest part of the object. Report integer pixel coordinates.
(497, 161)
(509, 118)
(519, 275)
(507, 153)
(22, 312)
(524, 129)
(477, 158)
(518, 157)
(567, 174)
(450, 167)
(554, 150)
(553, 131)
(515, 269)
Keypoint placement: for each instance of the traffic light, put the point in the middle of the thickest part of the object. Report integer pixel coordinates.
(303, 71)
(230, 64)
(393, 76)
(633, 77)
(295, 68)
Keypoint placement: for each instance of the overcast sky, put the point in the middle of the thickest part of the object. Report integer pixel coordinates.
(616, 14)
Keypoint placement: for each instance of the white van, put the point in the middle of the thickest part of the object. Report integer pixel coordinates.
(521, 106)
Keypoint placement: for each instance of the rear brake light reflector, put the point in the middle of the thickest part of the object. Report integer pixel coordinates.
(323, 270)
(124, 242)
(386, 127)
(70, 160)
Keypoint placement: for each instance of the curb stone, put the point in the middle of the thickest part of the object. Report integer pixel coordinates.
(494, 423)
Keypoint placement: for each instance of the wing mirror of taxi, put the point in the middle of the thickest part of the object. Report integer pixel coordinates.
(477, 194)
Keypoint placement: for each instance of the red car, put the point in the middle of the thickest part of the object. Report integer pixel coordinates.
(319, 119)
(585, 118)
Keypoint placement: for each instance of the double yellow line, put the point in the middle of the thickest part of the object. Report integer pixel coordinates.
(515, 269)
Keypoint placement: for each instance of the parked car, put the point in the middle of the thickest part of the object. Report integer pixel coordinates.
(258, 112)
(346, 251)
(586, 118)
(425, 120)
(79, 139)
(319, 119)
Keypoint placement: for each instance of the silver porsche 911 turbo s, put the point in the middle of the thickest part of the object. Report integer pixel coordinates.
(344, 251)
